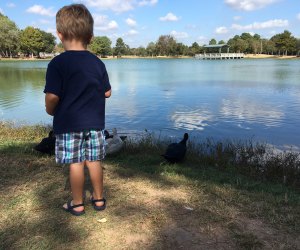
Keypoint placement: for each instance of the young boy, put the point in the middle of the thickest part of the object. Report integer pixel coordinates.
(76, 87)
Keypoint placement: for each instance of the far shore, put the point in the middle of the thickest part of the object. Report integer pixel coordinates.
(247, 56)
(266, 56)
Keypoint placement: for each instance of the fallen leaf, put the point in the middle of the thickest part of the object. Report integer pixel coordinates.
(188, 208)
(102, 220)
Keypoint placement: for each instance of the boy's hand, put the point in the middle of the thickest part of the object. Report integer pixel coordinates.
(51, 102)
(108, 93)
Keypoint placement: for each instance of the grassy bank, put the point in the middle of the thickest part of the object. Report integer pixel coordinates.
(201, 203)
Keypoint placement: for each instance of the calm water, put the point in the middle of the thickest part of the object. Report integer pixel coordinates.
(240, 99)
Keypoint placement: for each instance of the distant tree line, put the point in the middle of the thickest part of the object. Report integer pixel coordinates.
(280, 44)
(31, 41)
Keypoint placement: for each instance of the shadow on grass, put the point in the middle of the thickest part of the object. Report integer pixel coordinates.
(31, 198)
(34, 219)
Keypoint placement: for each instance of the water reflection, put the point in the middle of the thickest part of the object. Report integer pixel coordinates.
(227, 99)
(251, 112)
(21, 97)
(192, 119)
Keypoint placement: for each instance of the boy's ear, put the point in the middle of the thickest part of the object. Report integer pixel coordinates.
(60, 36)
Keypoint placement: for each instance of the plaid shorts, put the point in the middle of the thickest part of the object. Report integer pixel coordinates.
(77, 147)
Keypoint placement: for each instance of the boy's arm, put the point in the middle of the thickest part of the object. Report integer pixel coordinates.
(108, 93)
(51, 102)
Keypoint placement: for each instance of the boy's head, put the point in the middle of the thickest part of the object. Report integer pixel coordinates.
(75, 22)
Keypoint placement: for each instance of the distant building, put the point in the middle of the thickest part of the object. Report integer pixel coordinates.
(215, 52)
(218, 47)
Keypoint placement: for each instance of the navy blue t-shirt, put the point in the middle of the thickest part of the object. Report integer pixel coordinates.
(80, 80)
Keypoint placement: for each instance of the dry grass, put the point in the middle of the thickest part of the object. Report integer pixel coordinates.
(151, 205)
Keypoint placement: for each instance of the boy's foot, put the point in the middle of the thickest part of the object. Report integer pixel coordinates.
(77, 209)
(99, 204)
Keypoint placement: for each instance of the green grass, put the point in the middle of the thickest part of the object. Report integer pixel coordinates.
(230, 208)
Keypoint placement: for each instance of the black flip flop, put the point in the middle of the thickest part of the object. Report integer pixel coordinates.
(98, 208)
(70, 209)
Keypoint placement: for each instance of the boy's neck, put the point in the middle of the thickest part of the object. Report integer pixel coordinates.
(73, 45)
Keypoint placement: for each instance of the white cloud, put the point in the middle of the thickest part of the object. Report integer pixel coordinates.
(147, 2)
(298, 16)
(170, 17)
(249, 5)
(130, 22)
(1, 11)
(40, 10)
(118, 6)
(221, 30)
(114, 5)
(179, 35)
(132, 32)
(102, 23)
(276, 23)
(10, 5)
(236, 18)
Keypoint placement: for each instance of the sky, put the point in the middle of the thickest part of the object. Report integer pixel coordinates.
(139, 22)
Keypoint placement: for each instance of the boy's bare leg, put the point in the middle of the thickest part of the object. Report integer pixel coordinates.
(77, 182)
(96, 175)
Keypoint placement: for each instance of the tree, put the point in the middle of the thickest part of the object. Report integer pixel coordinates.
(195, 49)
(246, 36)
(9, 37)
(151, 49)
(221, 42)
(255, 46)
(120, 47)
(298, 47)
(268, 46)
(48, 41)
(256, 37)
(31, 40)
(285, 42)
(166, 45)
(213, 42)
(101, 45)
(140, 51)
(237, 44)
(180, 49)
(127, 50)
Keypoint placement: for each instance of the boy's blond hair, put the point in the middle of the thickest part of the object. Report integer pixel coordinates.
(75, 22)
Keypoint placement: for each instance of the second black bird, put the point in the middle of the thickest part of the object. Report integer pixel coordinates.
(176, 151)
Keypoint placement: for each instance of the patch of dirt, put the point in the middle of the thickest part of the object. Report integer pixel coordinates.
(191, 238)
(269, 237)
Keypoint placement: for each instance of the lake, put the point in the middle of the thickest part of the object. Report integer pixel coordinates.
(244, 99)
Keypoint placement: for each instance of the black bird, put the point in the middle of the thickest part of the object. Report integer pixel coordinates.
(109, 136)
(176, 151)
(47, 145)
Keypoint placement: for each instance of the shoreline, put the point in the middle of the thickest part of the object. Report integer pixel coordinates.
(265, 56)
(247, 56)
